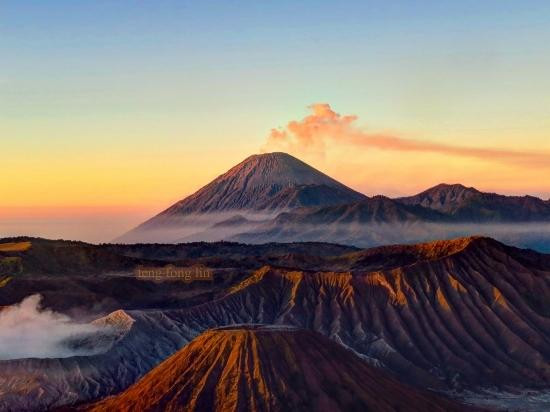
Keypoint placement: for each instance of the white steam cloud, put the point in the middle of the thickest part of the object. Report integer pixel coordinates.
(28, 331)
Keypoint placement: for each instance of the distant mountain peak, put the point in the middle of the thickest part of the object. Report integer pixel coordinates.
(449, 187)
(467, 204)
(443, 197)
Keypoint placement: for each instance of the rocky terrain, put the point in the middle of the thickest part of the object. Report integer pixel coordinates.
(259, 368)
(469, 314)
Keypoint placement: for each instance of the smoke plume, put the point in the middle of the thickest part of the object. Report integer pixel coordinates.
(324, 125)
(28, 331)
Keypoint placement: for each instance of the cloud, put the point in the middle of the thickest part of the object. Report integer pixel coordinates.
(324, 125)
(28, 331)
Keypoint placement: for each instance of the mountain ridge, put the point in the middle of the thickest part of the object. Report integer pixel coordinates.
(463, 203)
(466, 314)
(277, 197)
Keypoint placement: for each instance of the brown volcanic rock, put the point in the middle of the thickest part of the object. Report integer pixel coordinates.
(468, 314)
(465, 313)
(256, 368)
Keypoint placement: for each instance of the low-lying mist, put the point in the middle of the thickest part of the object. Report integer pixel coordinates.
(525, 235)
(198, 227)
(250, 227)
(29, 331)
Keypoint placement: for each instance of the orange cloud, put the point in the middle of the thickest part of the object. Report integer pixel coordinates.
(325, 125)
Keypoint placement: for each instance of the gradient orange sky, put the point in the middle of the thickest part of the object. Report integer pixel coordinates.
(111, 112)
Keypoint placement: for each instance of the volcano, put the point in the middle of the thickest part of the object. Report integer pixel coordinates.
(275, 197)
(261, 185)
(270, 368)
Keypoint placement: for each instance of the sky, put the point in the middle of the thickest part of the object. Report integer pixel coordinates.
(110, 111)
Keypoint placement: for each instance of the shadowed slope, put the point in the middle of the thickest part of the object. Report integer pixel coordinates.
(470, 205)
(269, 369)
(258, 180)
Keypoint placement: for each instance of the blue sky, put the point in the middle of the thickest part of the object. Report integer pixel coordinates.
(98, 95)
(111, 58)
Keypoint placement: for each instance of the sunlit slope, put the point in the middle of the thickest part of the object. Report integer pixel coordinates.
(270, 369)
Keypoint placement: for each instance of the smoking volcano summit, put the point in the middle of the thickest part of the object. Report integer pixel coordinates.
(261, 185)
(275, 197)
